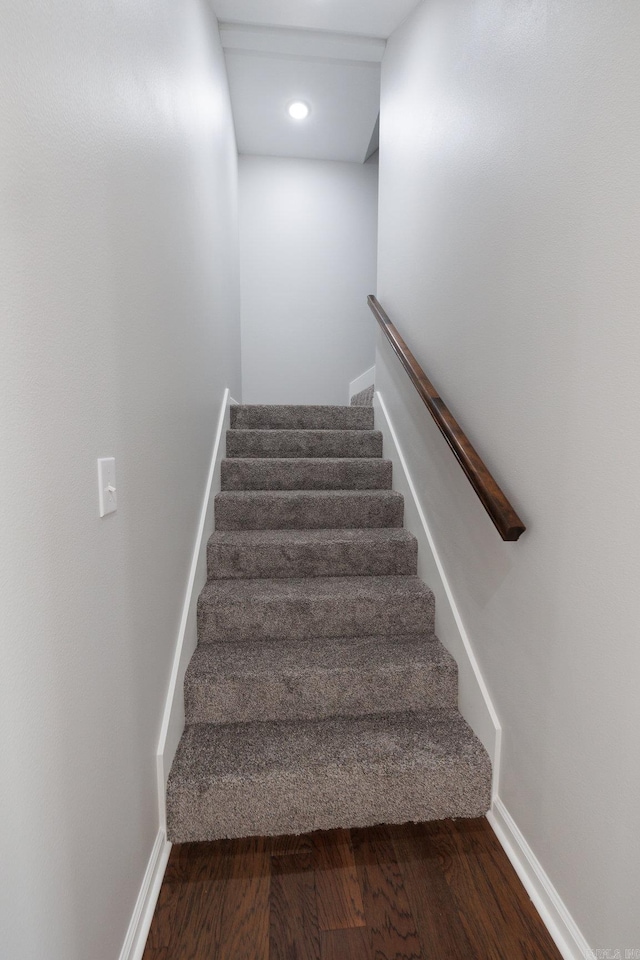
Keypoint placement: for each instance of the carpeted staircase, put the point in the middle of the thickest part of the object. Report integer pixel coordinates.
(318, 696)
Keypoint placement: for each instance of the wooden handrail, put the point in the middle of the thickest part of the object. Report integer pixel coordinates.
(507, 521)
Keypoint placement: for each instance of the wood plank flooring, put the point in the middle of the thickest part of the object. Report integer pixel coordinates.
(435, 891)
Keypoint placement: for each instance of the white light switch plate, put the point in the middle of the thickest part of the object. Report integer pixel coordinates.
(107, 485)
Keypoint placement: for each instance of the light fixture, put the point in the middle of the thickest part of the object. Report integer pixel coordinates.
(298, 110)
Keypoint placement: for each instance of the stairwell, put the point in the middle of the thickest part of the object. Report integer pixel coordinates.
(318, 695)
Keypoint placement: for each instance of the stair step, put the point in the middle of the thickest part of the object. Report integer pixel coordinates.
(247, 554)
(261, 417)
(318, 473)
(364, 398)
(231, 610)
(312, 679)
(304, 443)
(307, 509)
(285, 777)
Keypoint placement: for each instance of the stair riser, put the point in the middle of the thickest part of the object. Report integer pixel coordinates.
(346, 693)
(313, 474)
(307, 513)
(230, 561)
(303, 443)
(294, 619)
(300, 418)
(290, 802)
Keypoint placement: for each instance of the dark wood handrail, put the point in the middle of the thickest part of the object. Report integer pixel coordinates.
(507, 521)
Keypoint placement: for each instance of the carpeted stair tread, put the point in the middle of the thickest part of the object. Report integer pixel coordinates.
(307, 509)
(304, 443)
(364, 398)
(284, 777)
(315, 678)
(230, 610)
(287, 417)
(301, 473)
(248, 554)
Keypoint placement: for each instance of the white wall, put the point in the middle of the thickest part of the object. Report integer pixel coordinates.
(508, 257)
(308, 232)
(119, 311)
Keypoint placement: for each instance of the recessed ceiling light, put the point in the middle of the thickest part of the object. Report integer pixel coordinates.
(298, 110)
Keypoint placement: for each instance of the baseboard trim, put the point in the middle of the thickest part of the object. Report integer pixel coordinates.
(136, 938)
(546, 899)
(483, 718)
(366, 379)
(173, 715)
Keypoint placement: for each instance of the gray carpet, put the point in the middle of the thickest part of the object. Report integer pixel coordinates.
(230, 610)
(301, 679)
(364, 398)
(307, 509)
(304, 443)
(255, 417)
(285, 777)
(316, 473)
(318, 696)
(276, 554)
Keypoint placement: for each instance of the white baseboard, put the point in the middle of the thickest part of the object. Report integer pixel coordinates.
(474, 700)
(173, 716)
(366, 379)
(136, 938)
(475, 703)
(546, 899)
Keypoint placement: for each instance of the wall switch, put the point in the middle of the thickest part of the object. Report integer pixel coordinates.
(107, 485)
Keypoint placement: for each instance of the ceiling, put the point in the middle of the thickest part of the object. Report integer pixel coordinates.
(325, 52)
(368, 18)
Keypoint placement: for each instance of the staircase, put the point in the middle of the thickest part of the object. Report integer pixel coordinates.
(318, 696)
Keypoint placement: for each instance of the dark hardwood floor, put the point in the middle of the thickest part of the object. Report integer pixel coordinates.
(441, 890)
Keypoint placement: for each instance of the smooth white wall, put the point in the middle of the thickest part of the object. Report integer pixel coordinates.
(308, 233)
(508, 257)
(119, 306)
